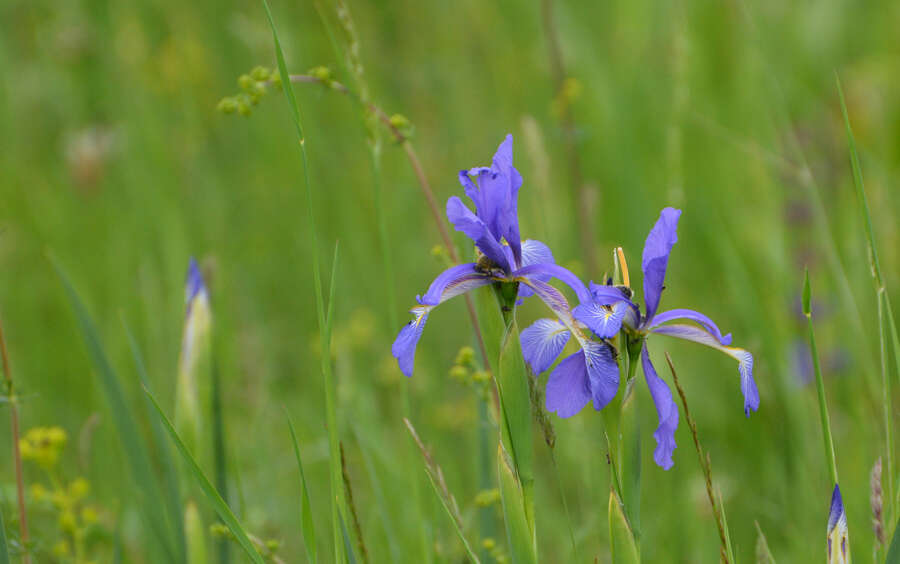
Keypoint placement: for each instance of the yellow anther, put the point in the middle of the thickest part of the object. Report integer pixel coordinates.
(624, 265)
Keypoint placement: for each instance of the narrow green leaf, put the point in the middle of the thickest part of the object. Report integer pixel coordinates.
(132, 443)
(807, 309)
(893, 555)
(307, 522)
(4, 549)
(436, 477)
(348, 546)
(828, 443)
(763, 554)
(221, 508)
(518, 533)
(622, 544)
(631, 456)
(195, 534)
(220, 456)
(161, 447)
(728, 544)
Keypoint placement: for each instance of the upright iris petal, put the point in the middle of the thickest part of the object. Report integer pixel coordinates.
(655, 259)
(838, 533)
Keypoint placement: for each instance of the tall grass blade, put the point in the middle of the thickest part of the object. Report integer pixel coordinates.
(4, 549)
(436, 476)
(337, 495)
(622, 544)
(884, 305)
(134, 446)
(221, 508)
(763, 554)
(161, 447)
(518, 532)
(307, 522)
(348, 546)
(820, 386)
(387, 522)
(220, 456)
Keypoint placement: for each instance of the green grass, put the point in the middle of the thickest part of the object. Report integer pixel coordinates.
(755, 152)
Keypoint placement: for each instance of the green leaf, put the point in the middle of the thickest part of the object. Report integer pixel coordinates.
(195, 534)
(207, 488)
(518, 532)
(893, 555)
(161, 447)
(622, 544)
(133, 444)
(307, 522)
(348, 546)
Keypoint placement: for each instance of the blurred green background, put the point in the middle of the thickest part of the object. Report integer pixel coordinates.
(117, 161)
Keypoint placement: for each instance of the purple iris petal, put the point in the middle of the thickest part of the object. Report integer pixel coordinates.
(696, 316)
(666, 410)
(475, 229)
(452, 282)
(603, 372)
(542, 342)
(404, 347)
(656, 258)
(543, 272)
(836, 512)
(604, 321)
(568, 388)
(496, 196)
(744, 358)
(534, 252)
(194, 283)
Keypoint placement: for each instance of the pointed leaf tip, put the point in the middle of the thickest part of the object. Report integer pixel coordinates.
(807, 294)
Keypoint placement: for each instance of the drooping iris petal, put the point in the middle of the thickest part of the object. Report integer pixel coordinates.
(605, 294)
(568, 388)
(534, 252)
(604, 321)
(656, 258)
(744, 358)
(452, 282)
(691, 315)
(543, 271)
(838, 533)
(542, 342)
(603, 372)
(404, 347)
(666, 410)
(475, 229)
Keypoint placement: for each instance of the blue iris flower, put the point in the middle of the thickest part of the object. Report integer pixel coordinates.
(611, 309)
(505, 258)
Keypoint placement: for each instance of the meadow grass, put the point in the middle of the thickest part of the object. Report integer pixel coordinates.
(122, 166)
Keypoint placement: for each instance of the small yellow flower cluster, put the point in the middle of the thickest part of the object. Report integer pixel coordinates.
(494, 550)
(74, 517)
(486, 498)
(254, 86)
(466, 371)
(42, 445)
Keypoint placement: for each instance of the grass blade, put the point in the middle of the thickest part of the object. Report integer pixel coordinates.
(4, 549)
(820, 386)
(348, 546)
(307, 523)
(337, 494)
(884, 305)
(161, 447)
(221, 508)
(220, 456)
(763, 554)
(436, 476)
(132, 443)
